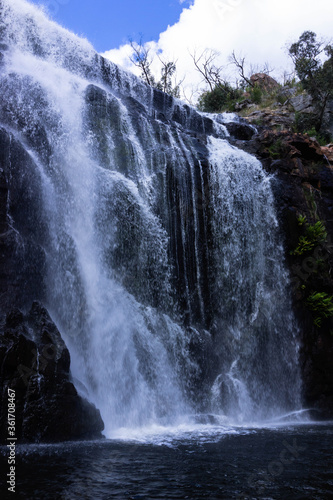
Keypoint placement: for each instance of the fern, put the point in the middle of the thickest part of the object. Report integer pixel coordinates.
(322, 305)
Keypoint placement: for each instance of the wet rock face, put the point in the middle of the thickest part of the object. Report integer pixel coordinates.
(173, 188)
(35, 363)
(22, 230)
(241, 131)
(316, 363)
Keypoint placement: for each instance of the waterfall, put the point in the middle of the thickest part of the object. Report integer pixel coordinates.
(165, 268)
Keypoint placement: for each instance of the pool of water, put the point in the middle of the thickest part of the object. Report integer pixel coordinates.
(278, 461)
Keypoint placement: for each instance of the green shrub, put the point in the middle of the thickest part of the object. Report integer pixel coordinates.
(276, 149)
(314, 234)
(321, 304)
(256, 95)
(218, 99)
(281, 99)
(305, 121)
(322, 139)
(301, 219)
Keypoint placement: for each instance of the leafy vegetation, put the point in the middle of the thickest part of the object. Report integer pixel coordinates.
(256, 95)
(301, 219)
(276, 149)
(314, 234)
(141, 58)
(221, 97)
(322, 140)
(321, 304)
(316, 76)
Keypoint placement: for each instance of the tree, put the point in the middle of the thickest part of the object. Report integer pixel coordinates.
(214, 101)
(240, 64)
(142, 58)
(316, 76)
(219, 92)
(205, 64)
(165, 84)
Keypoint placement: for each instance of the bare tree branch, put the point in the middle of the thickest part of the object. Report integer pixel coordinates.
(205, 65)
(239, 62)
(141, 59)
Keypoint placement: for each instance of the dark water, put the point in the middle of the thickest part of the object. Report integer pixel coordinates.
(293, 462)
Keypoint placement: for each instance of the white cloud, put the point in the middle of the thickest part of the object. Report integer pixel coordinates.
(259, 29)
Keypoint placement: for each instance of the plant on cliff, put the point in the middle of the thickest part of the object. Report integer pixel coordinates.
(316, 76)
(218, 99)
(165, 84)
(256, 95)
(321, 304)
(313, 235)
(276, 149)
(219, 93)
(141, 58)
(312, 132)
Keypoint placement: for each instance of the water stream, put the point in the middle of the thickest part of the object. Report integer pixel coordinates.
(165, 267)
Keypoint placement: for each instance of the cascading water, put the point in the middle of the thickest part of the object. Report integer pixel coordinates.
(161, 250)
(254, 305)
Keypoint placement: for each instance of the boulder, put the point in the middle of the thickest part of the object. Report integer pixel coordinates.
(264, 82)
(302, 103)
(286, 93)
(328, 152)
(246, 103)
(305, 146)
(242, 130)
(280, 119)
(35, 363)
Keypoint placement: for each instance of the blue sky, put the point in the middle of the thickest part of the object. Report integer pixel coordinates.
(109, 23)
(259, 30)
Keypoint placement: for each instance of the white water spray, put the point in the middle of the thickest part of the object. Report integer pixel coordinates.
(131, 245)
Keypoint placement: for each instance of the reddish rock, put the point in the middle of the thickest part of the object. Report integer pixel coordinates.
(264, 82)
(328, 152)
(306, 147)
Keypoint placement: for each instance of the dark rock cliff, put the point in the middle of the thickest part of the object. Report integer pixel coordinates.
(22, 264)
(35, 363)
